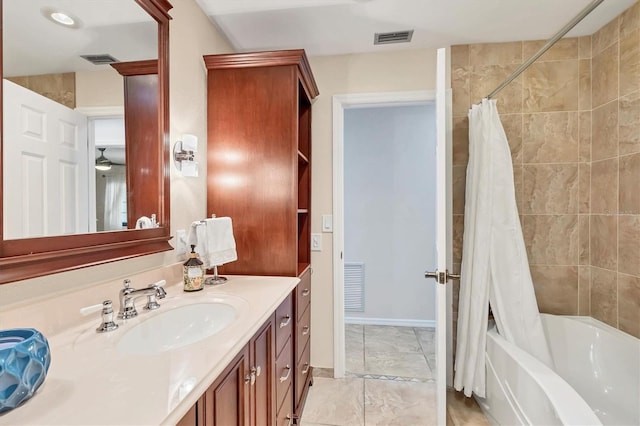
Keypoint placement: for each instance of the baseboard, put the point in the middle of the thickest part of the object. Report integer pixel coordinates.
(390, 321)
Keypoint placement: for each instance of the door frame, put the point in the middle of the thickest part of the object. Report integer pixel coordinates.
(340, 104)
(92, 113)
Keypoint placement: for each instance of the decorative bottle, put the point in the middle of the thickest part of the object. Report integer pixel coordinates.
(193, 270)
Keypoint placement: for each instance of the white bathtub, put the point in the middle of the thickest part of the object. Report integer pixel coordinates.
(596, 379)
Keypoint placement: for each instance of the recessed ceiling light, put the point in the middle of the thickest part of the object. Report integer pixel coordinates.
(61, 17)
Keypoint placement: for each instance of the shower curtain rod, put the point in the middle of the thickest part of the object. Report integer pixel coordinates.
(579, 17)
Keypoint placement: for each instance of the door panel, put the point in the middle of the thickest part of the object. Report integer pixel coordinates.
(45, 158)
(262, 361)
(443, 215)
(227, 400)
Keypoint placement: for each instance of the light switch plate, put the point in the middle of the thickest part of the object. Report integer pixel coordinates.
(316, 242)
(327, 223)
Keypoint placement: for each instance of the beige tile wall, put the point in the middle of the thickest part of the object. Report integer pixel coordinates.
(573, 124)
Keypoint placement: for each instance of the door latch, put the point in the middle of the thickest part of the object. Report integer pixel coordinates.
(441, 277)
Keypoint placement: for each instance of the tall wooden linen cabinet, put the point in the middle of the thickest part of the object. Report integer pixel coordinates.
(259, 174)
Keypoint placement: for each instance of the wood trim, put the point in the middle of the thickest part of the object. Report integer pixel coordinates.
(39, 264)
(33, 257)
(158, 9)
(272, 58)
(134, 68)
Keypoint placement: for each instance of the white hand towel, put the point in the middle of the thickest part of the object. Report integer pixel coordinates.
(198, 237)
(143, 223)
(221, 244)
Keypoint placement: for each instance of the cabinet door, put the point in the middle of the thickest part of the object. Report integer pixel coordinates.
(262, 363)
(227, 400)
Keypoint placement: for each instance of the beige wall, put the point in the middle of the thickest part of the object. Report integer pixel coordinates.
(575, 178)
(99, 88)
(614, 218)
(58, 87)
(191, 36)
(408, 70)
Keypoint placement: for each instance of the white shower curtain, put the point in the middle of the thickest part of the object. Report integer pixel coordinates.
(494, 268)
(114, 197)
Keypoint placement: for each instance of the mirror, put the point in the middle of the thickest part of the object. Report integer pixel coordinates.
(52, 192)
(58, 85)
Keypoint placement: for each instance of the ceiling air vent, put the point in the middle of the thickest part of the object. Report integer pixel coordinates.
(103, 59)
(394, 37)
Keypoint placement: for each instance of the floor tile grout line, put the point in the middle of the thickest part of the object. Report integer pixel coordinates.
(422, 348)
(364, 403)
(363, 347)
(424, 352)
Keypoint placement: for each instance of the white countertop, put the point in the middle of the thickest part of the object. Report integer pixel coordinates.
(91, 382)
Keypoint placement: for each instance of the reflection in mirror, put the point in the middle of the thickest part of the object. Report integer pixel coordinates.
(57, 77)
(110, 173)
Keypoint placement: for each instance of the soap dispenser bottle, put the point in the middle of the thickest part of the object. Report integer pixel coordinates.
(193, 271)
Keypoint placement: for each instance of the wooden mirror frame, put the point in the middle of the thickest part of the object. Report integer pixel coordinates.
(33, 257)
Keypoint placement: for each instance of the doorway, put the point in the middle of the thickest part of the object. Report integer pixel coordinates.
(369, 103)
(389, 240)
(381, 396)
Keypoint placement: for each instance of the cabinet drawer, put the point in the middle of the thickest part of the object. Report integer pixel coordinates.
(303, 333)
(303, 369)
(284, 371)
(285, 412)
(303, 293)
(284, 323)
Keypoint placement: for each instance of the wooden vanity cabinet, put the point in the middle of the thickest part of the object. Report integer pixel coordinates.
(302, 343)
(243, 394)
(284, 325)
(259, 174)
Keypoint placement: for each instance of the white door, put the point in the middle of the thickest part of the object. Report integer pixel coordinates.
(444, 235)
(46, 181)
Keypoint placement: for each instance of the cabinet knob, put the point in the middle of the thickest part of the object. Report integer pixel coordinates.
(306, 292)
(305, 370)
(305, 330)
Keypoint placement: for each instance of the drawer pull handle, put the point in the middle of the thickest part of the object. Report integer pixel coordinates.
(287, 320)
(306, 292)
(249, 378)
(305, 370)
(288, 419)
(286, 376)
(256, 370)
(305, 330)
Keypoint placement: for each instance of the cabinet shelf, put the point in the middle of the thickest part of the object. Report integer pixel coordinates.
(302, 158)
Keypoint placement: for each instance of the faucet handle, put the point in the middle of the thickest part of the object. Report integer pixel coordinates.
(107, 318)
(160, 293)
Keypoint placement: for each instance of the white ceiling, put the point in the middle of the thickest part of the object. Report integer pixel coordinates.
(35, 45)
(329, 27)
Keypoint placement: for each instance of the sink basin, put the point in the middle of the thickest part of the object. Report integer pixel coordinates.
(177, 327)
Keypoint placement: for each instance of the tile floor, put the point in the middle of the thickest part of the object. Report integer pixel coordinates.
(390, 381)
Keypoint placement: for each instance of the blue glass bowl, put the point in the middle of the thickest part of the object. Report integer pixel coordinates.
(24, 362)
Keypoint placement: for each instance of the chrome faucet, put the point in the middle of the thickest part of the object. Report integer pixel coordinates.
(128, 296)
